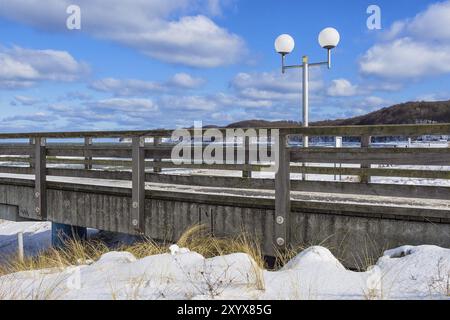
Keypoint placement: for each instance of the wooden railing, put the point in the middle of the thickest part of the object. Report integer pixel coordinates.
(141, 160)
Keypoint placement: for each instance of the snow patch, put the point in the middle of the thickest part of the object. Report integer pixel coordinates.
(313, 255)
(175, 249)
(402, 273)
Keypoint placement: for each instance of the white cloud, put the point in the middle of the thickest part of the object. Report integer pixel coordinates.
(406, 58)
(189, 103)
(136, 87)
(25, 101)
(432, 24)
(193, 41)
(233, 101)
(273, 86)
(413, 48)
(126, 105)
(21, 67)
(126, 87)
(75, 95)
(429, 25)
(176, 31)
(342, 88)
(222, 116)
(186, 81)
(267, 81)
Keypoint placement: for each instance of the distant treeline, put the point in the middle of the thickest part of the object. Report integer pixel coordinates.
(405, 113)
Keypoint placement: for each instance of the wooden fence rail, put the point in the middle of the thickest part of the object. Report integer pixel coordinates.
(132, 158)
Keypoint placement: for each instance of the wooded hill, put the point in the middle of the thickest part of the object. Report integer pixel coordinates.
(405, 113)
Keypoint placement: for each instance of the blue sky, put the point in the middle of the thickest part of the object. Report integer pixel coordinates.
(149, 64)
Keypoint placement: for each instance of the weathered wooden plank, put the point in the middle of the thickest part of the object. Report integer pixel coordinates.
(31, 157)
(365, 144)
(379, 172)
(109, 163)
(10, 213)
(88, 156)
(232, 167)
(369, 150)
(105, 151)
(16, 170)
(18, 150)
(148, 164)
(157, 157)
(388, 190)
(93, 174)
(40, 191)
(384, 211)
(92, 134)
(116, 151)
(282, 194)
(138, 185)
(406, 156)
(211, 181)
(16, 159)
(269, 232)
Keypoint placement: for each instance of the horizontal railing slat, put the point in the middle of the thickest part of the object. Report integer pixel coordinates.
(374, 156)
(16, 159)
(380, 172)
(188, 180)
(15, 150)
(374, 172)
(211, 181)
(16, 170)
(373, 189)
(380, 151)
(93, 174)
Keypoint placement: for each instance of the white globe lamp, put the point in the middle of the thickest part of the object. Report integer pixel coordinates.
(284, 44)
(329, 38)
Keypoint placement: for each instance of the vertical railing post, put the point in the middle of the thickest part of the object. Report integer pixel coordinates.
(157, 158)
(338, 142)
(40, 167)
(138, 184)
(282, 194)
(87, 153)
(365, 143)
(247, 173)
(31, 142)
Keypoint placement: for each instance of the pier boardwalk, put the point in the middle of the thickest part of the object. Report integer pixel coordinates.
(91, 179)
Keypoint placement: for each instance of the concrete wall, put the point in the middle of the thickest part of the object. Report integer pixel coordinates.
(356, 239)
(352, 235)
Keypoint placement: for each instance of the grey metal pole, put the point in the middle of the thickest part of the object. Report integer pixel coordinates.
(305, 98)
(305, 104)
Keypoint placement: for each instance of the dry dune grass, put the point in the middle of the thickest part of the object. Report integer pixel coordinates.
(196, 238)
(74, 253)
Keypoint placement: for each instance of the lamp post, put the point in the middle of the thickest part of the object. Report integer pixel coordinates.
(328, 39)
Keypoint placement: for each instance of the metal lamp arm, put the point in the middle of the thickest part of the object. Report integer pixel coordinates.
(315, 64)
(326, 63)
(284, 67)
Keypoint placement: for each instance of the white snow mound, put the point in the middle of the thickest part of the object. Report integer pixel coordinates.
(403, 273)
